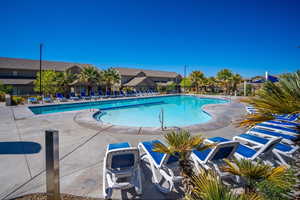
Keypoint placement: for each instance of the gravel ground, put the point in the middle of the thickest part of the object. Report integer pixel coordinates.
(43, 196)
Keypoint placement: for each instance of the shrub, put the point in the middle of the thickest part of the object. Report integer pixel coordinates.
(2, 96)
(16, 100)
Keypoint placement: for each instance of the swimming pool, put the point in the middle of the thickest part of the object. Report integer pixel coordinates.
(178, 110)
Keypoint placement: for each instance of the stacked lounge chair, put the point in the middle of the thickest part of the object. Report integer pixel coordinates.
(32, 100)
(121, 169)
(73, 96)
(60, 97)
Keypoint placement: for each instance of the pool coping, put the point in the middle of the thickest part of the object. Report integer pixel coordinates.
(219, 119)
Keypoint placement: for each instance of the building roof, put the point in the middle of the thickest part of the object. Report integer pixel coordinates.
(28, 64)
(150, 73)
(16, 81)
(138, 80)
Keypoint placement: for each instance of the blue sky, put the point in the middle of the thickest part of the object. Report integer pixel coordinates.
(247, 37)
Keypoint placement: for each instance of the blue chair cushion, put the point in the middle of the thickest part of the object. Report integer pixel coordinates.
(118, 145)
(278, 127)
(284, 123)
(272, 133)
(202, 154)
(157, 156)
(279, 146)
(241, 149)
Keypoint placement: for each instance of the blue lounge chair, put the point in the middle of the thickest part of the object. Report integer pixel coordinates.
(280, 148)
(289, 139)
(101, 95)
(83, 96)
(282, 123)
(212, 158)
(93, 96)
(60, 97)
(73, 96)
(47, 99)
(263, 153)
(280, 129)
(121, 169)
(290, 118)
(32, 100)
(166, 165)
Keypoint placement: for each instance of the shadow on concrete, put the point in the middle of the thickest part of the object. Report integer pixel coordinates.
(19, 147)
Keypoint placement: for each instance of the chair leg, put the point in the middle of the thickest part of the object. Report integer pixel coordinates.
(138, 187)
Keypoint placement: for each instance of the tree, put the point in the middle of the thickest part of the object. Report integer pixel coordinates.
(171, 86)
(235, 80)
(211, 83)
(224, 77)
(49, 83)
(89, 76)
(180, 144)
(186, 83)
(110, 77)
(275, 98)
(5, 88)
(64, 80)
(197, 78)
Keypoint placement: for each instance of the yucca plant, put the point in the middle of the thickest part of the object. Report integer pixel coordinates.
(275, 98)
(259, 175)
(180, 144)
(208, 186)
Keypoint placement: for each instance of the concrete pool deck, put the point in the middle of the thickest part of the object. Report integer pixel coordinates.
(82, 149)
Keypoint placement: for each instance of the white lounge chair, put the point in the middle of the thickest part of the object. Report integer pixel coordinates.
(289, 139)
(47, 99)
(281, 150)
(166, 165)
(32, 100)
(282, 123)
(289, 118)
(284, 130)
(213, 158)
(121, 169)
(263, 153)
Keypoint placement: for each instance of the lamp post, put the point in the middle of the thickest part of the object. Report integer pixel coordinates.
(41, 49)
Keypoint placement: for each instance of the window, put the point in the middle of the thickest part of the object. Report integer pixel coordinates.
(15, 73)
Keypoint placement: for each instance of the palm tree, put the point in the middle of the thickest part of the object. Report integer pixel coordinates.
(255, 173)
(180, 144)
(275, 98)
(211, 83)
(90, 76)
(197, 78)
(235, 80)
(110, 77)
(225, 77)
(64, 80)
(208, 186)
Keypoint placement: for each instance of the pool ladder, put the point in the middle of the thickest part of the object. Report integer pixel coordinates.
(161, 119)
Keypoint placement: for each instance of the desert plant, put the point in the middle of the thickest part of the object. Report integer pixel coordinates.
(180, 144)
(256, 176)
(275, 98)
(208, 186)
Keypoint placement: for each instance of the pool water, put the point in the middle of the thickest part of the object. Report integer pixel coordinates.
(142, 112)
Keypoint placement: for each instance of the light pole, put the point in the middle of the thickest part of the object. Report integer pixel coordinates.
(41, 49)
